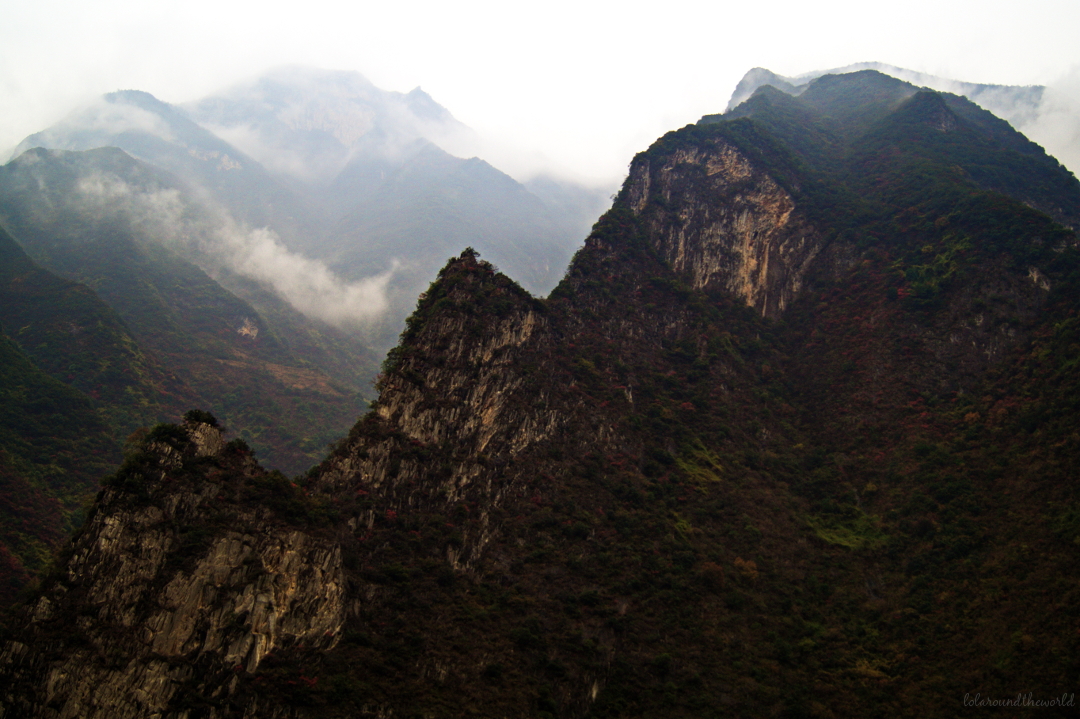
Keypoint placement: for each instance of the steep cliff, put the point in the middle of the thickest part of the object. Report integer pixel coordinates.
(724, 224)
(791, 438)
(180, 578)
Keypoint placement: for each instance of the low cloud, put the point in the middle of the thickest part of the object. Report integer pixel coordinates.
(308, 284)
(1057, 124)
(211, 236)
(95, 125)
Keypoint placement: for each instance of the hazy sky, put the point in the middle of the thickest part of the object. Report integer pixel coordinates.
(577, 87)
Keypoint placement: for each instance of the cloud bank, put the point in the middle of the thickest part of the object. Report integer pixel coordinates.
(219, 242)
(1056, 126)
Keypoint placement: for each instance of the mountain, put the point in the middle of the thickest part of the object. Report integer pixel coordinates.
(75, 337)
(1045, 114)
(395, 197)
(163, 136)
(121, 227)
(175, 268)
(994, 155)
(307, 124)
(54, 448)
(432, 203)
(76, 383)
(794, 436)
(1017, 104)
(352, 184)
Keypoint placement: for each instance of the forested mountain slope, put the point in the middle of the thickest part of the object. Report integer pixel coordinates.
(71, 334)
(795, 436)
(101, 218)
(53, 450)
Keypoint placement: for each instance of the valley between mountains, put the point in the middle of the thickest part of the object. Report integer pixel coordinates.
(795, 435)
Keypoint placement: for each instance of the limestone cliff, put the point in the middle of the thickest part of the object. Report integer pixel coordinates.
(724, 223)
(175, 582)
(455, 387)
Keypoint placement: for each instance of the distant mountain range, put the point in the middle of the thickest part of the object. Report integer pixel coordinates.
(344, 174)
(302, 194)
(308, 124)
(253, 254)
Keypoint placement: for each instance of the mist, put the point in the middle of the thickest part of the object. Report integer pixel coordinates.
(97, 120)
(219, 242)
(308, 285)
(1057, 124)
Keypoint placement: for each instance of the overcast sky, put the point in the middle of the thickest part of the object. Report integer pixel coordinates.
(576, 87)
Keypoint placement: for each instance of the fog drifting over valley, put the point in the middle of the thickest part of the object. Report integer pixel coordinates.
(208, 232)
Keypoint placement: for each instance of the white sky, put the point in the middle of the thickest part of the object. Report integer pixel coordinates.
(576, 87)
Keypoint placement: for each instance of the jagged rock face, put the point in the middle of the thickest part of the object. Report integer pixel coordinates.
(458, 388)
(724, 223)
(166, 593)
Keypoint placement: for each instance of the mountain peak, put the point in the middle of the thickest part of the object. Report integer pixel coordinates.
(309, 123)
(1018, 105)
(139, 98)
(929, 108)
(423, 105)
(755, 78)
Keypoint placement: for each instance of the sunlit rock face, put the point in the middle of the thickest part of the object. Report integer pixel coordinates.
(171, 588)
(724, 224)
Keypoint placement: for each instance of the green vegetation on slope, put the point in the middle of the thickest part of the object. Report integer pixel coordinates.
(76, 338)
(53, 449)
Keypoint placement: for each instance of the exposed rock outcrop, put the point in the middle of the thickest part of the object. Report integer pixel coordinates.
(723, 223)
(172, 584)
(454, 387)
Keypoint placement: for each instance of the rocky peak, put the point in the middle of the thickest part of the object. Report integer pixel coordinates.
(181, 574)
(454, 388)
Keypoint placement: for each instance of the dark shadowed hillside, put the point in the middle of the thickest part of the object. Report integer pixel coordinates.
(795, 436)
(75, 337)
(53, 450)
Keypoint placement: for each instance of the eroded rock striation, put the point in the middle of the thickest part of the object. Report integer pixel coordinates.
(724, 224)
(172, 585)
